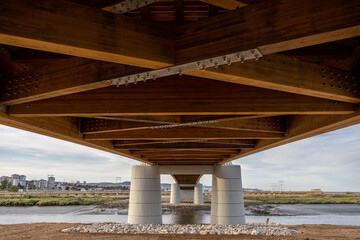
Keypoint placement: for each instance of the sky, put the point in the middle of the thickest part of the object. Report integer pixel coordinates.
(329, 161)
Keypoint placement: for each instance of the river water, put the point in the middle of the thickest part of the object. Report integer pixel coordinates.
(344, 214)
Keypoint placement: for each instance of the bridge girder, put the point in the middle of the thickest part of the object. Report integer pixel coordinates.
(55, 76)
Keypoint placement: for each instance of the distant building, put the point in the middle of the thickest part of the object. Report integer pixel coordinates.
(51, 182)
(22, 180)
(43, 184)
(15, 176)
(58, 186)
(18, 179)
(14, 181)
(37, 184)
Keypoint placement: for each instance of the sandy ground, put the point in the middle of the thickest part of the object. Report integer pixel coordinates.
(41, 231)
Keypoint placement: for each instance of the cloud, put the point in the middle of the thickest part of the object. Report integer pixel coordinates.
(37, 156)
(330, 161)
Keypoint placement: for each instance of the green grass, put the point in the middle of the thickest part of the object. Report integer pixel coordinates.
(308, 199)
(46, 200)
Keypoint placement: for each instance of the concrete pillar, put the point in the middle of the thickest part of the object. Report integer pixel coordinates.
(227, 202)
(145, 196)
(198, 194)
(175, 193)
(214, 200)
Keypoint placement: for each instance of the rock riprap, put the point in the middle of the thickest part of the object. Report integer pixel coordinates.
(270, 229)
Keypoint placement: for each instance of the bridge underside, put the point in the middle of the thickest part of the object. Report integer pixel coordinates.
(57, 58)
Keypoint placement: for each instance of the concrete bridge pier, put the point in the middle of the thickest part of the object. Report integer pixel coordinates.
(175, 193)
(198, 194)
(145, 196)
(227, 202)
(214, 200)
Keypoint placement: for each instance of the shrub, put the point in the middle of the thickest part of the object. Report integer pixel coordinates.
(14, 189)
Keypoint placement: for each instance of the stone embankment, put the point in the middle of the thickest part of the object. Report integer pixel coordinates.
(270, 229)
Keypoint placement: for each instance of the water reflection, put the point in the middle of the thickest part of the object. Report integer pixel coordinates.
(187, 217)
(323, 214)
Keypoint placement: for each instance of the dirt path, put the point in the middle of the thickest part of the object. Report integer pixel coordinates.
(40, 231)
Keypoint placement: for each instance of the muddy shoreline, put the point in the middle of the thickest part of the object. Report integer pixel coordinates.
(252, 208)
(42, 231)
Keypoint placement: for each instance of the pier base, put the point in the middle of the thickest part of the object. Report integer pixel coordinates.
(175, 193)
(145, 196)
(198, 194)
(227, 201)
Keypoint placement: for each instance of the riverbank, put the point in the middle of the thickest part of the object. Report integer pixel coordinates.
(121, 200)
(48, 200)
(306, 198)
(42, 231)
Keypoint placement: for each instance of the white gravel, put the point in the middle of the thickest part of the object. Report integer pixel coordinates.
(270, 229)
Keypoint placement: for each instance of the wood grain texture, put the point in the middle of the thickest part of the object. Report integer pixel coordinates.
(180, 95)
(181, 133)
(226, 4)
(288, 74)
(272, 26)
(247, 108)
(184, 146)
(68, 76)
(77, 30)
(186, 179)
(266, 124)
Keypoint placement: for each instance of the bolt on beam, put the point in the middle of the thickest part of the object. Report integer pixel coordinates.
(187, 67)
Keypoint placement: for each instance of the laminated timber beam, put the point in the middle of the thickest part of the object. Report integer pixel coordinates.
(178, 119)
(270, 124)
(288, 74)
(77, 30)
(271, 26)
(95, 126)
(241, 142)
(182, 162)
(135, 142)
(66, 77)
(266, 124)
(7, 65)
(194, 133)
(186, 179)
(301, 127)
(276, 72)
(188, 156)
(186, 160)
(203, 157)
(184, 146)
(339, 23)
(100, 4)
(182, 95)
(185, 152)
(226, 4)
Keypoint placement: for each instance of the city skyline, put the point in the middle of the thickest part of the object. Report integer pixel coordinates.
(328, 161)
